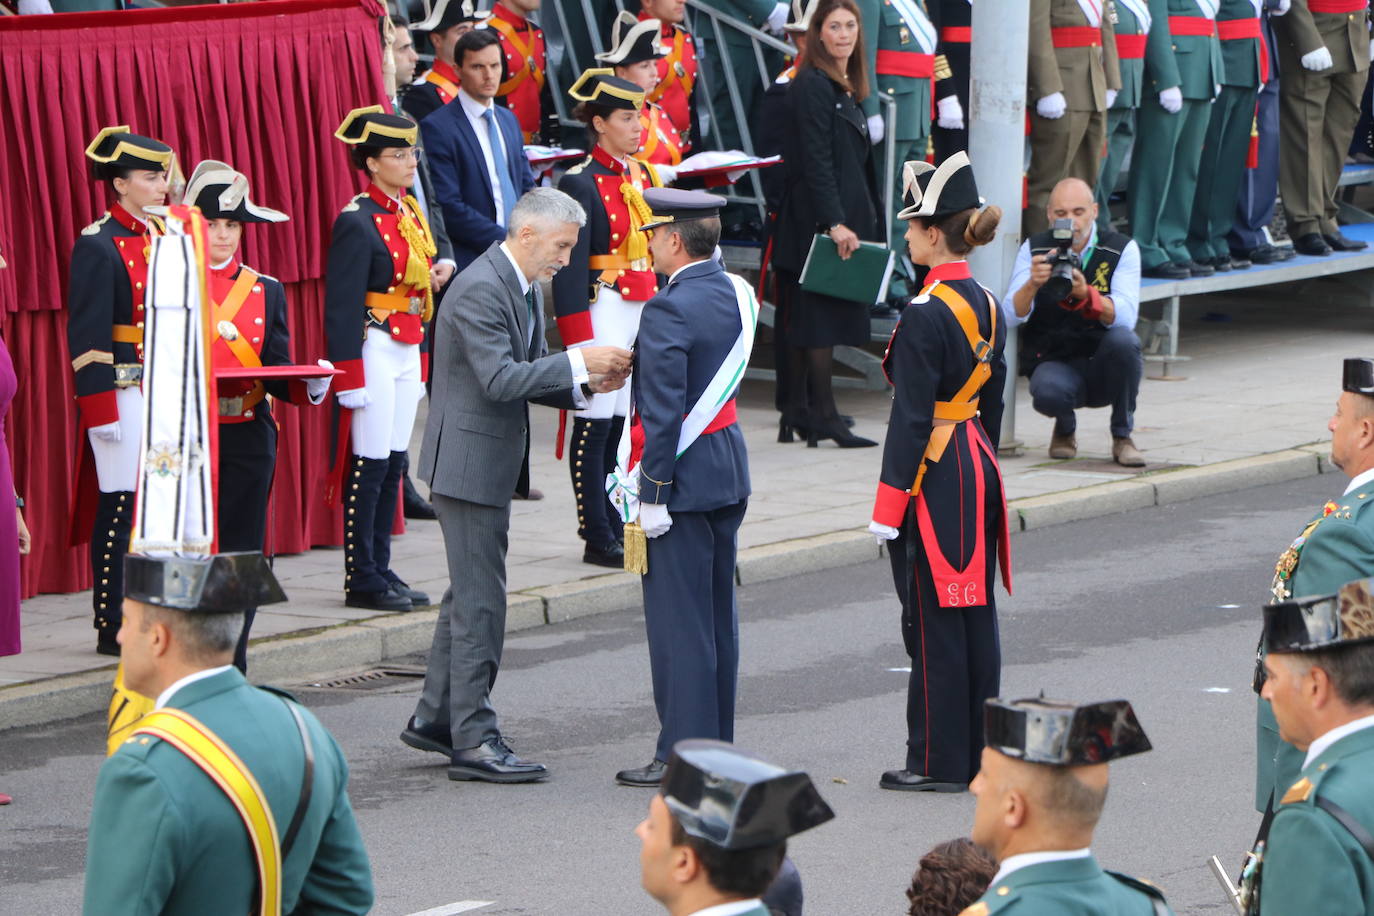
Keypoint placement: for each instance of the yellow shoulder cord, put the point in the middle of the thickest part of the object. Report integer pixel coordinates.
(414, 228)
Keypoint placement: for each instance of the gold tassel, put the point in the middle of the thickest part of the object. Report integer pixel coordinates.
(636, 242)
(415, 230)
(636, 549)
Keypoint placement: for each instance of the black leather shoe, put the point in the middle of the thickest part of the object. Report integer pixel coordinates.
(1197, 269)
(494, 761)
(1312, 245)
(1341, 242)
(1220, 265)
(532, 495)
(415, 505)
(650, 776)
(1167, 271)
(427, 739)
(417, 598)
(612, 555)
(1241, 261)
(387, 600)
(105, 646)
(907, 781)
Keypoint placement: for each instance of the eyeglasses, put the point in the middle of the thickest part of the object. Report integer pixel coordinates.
(410, 154)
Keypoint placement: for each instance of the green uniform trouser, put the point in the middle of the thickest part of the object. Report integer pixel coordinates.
(1221, 172)
(1120, 137)
(1164, 177)
(903, 280)
(1317, 117)
(1064, 147)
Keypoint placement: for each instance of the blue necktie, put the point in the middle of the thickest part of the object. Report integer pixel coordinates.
(502, 167)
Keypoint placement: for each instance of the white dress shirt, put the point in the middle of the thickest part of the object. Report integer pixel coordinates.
(1027, 859)
(733, 908)
(476, 112)
(1360, 480)
(575, 360)
(1125, 291)
(1320, 746)
(166, 696)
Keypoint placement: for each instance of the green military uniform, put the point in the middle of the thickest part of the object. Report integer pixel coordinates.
(1335, 547)
(900, 42)
(1223, 162)
(1164, 165)
(164, 838)
(1069, 887)
(738, 55)
(1314, 864)
(1318, 111)
(1074, 55)
(1132, 27)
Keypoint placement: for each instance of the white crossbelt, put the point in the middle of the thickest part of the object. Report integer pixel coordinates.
(1093, 10)
(922, 29)
(1209, 7)
(1141, 10)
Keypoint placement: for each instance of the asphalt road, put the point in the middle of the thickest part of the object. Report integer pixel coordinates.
(1159, 606)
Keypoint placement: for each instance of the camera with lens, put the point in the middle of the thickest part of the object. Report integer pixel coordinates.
(1063, 262)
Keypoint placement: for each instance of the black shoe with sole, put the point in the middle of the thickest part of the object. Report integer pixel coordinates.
(417, 598)
(835, 429)
(1167, 271)
(1341, 242)
(1197, 269)
(493, 761)
(415, 506)
(388, 600)
(649, 777)
(907, 781)
(1312, 245)
(612, 555)
(427, 739)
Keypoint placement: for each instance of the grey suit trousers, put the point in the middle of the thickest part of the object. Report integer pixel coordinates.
(471, 630)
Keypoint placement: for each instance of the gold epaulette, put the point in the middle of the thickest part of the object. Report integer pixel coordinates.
(94, 228)
(942, 68)
(1299, 791)
(352, 204)
(579, 167)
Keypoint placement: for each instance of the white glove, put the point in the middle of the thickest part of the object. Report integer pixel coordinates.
(1317, 60)
(949, 113)
(354, 399)
(778, 18)
(654, 519)
(876, 129)
(1371, 49)
(1052, 106)
(882, 533)
(317, 388)
(1171, 100)
(1111, 97)
(1280, 8)
(107, 433)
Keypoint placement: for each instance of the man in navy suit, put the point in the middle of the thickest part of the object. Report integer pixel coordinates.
(694, 338)
(476, 152)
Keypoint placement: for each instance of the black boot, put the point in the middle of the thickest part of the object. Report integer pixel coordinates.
(381, 532)
(109, 544)
(586, 465)
(416, 506)
(364, 584)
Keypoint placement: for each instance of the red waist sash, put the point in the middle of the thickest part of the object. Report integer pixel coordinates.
(1337, 6)
(905, 63)
(727, 416)
(1236, 29)
(1076, 36)
(1130, 47)
(1191, 25)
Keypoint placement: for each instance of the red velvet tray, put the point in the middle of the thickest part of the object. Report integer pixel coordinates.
(256, 372)
(718, 176)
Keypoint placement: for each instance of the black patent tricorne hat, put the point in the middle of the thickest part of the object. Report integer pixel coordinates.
(1060, 733)
(224, 583)
(1328, 621)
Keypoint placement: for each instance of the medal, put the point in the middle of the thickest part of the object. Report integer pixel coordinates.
(904, 35)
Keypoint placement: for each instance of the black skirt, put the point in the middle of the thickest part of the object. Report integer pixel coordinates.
(816, 320)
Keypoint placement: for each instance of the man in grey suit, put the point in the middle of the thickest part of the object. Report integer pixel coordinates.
(490, 360)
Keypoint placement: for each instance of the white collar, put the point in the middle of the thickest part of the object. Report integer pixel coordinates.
(1319, 746)
(166, 696)
(1027, 859)
(475, 109)
(1360, 480)
(732, 908)
(519, 274)
(673, 275)
(222, 264)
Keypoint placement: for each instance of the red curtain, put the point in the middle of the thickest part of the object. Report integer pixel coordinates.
(261, 86)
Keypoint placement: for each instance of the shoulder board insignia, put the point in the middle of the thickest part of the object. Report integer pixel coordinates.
(94, 227)
(978, 909)
(1299, 791)
(1140, 884)
(262, 276)
(353, 204)
(579, 167)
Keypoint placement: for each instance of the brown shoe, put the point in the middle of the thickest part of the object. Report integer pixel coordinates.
(1125, 453)
(1063, 446)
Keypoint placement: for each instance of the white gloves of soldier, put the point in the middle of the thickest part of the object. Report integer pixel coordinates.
(107, 433)
(876, 129)
(949, 113)
(1171, 100)
(882, 533)
(777, 19)
(354, 399)
(1052, 106)
(1111, 97)
(317, 388)
(1317, 60)
(654, 519)
(1281, 7)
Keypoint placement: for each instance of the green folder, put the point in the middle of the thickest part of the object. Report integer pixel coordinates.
(863, 278)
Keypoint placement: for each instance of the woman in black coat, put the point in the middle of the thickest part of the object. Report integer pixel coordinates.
(831, 188)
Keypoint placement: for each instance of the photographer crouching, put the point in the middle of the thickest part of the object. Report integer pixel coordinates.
(1076, 290)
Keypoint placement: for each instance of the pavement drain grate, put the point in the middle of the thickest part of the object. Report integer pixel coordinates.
(372, 679)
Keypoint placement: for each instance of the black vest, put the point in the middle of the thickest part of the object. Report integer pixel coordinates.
(1054, 333)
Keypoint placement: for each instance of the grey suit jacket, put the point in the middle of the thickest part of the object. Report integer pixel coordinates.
(483, 376)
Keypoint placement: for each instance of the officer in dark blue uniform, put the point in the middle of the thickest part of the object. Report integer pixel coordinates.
(693, 472)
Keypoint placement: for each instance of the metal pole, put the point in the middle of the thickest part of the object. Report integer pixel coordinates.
(997, 142)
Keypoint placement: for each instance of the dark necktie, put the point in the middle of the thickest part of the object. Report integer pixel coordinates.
(498, 160)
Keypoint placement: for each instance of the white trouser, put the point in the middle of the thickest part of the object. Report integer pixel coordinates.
(615, 323)
(392, 370)
(116, 463)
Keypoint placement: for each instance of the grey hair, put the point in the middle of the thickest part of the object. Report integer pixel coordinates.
(204, 637)
(543, 208)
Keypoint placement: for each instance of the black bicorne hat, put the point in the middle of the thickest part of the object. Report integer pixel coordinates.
(448, 13)
(372, 126)
(1304, 624)
(633, 41)
(224, 583)
(116, 148)
(674, 205)
(735, 801)
(222, 193)
(935, 192)
(600, 86)
(1059, 733)
(1358, 375)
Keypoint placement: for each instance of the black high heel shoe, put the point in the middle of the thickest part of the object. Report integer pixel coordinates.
(835, 429)
(784, 429)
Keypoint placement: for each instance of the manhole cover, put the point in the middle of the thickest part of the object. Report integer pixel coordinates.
(373, 679)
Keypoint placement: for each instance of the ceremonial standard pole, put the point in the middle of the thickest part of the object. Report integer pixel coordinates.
(997, 142)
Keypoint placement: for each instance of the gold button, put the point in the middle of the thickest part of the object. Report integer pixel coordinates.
(248, 413)
(624, 291)
(1003, 891)
(138, 285)
(395, 330)
(257, 321)
(386, 238)
(391, 289)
